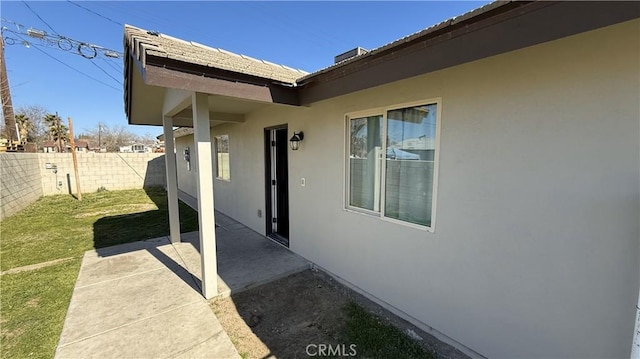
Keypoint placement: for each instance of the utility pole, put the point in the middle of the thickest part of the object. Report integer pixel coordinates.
(5, 93)
(59, 131)
(75, 159)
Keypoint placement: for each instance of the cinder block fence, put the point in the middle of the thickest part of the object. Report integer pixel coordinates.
(20, 183)
(25, 177)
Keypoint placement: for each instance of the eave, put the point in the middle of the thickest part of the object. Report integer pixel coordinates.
(502, 28)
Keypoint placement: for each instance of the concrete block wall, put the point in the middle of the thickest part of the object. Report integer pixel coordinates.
(25, 176)
(19, 182)
(112, 171)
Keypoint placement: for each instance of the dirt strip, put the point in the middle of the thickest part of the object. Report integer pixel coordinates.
(36, 266)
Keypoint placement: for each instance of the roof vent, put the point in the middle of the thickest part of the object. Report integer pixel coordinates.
(349, 54)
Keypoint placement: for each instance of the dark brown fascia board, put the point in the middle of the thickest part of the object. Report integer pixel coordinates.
(127, 83)
(130, 61)
(521, 26)
(171, 73)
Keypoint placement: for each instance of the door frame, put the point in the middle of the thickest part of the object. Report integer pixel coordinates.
(269, 187)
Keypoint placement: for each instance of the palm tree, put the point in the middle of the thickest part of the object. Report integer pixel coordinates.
(57, 131)
(25, 126)
(51, 120)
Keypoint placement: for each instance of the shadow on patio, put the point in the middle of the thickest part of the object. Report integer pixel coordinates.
(142, 299)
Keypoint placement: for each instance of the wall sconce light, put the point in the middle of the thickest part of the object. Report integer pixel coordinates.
(295, 140)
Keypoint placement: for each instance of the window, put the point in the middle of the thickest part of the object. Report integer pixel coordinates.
(365, 162)
(399, 185)
(222, 157)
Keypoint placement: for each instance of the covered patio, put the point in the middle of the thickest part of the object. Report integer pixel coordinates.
(171, 82)
(142, 299)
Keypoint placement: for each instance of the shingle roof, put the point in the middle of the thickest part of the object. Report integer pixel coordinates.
(162, 45)
(166, 46)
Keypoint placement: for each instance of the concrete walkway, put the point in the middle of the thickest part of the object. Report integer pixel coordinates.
(142, 299)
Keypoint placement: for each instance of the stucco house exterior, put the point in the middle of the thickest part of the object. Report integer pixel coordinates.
(512, 227)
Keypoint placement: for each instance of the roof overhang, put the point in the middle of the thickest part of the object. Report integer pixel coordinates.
(488, 31)
(232, 94)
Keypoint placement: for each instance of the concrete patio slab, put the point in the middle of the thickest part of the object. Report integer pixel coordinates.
(138, 301)
(246, 259)
(188, 329)
(125, 300)
(134, 258)
(142, 299)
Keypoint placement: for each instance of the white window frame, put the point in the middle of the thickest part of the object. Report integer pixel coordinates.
(215, 147)
(382, 111)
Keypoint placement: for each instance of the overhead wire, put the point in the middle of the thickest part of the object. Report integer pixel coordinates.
(157, 22)
(105, 72)
(84, 49)
(283, 20)
(49, 41)
(112, 21)
(39, 17)
(96, 13)
(71, 67)
(111, 65)
(114, 7)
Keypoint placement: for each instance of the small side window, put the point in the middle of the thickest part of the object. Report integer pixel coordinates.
(222, 157)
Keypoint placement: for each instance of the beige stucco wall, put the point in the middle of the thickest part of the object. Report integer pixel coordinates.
(536, 245)
(186, 174)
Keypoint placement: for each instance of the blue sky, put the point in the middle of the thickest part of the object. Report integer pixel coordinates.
(304, 35)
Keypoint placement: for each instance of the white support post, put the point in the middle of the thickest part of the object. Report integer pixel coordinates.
(172, 180)
(206, 216)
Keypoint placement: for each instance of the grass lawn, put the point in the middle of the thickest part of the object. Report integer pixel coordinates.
(58, 227)
(375, 339)
(34, 303)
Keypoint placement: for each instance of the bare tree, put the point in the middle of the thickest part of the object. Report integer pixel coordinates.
(110, 137)
(147, 139)
(39, 131)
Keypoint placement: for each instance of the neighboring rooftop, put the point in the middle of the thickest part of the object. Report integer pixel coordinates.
(178, 132)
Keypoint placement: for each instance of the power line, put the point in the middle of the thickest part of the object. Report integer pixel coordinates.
(128, 10)
(84, 49)
(59, 42)
(96, 13)
(105, 72)
(41, 19)
(111, 65)
(73, 68)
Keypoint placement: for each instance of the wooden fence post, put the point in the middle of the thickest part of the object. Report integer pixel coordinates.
(75, 159)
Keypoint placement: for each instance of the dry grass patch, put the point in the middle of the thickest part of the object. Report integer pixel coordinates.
(119, 210)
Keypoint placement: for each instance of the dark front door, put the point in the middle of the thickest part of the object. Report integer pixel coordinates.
(277, 184)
